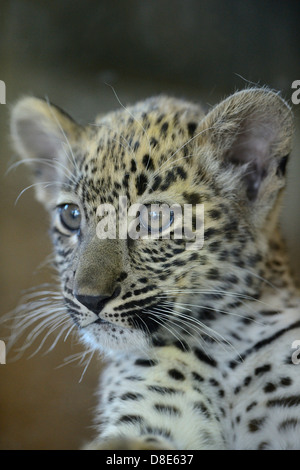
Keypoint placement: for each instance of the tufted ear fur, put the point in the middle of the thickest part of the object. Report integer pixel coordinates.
(250, 133)
(43, 136)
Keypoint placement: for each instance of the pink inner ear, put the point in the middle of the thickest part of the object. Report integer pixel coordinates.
(37, 142)
(253, 145)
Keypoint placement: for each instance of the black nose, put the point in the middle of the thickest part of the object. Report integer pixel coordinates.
(96, 303)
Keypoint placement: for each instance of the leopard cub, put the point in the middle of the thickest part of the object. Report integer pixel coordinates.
(195, 311)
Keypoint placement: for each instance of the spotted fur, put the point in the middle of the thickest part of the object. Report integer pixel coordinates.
(198, 342)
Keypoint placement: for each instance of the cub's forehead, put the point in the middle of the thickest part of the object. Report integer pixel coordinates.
(139, 152)
(147, 133)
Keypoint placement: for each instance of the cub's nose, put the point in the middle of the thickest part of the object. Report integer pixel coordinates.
(96, 303)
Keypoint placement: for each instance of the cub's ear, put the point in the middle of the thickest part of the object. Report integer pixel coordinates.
(251, 134)
(44, 136)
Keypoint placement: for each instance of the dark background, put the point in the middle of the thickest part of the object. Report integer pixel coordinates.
(69, 51)
(192, 42)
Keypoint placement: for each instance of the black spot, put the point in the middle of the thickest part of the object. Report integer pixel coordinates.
(255, 424)
(115, 194)
(272, 338)
(269, 312)
(178, 262)
(177, 251)
(172, 410)
(163, 390)
(131, 396)
(133, 166)
(134, 378)
(263, 369)
(269, 387)
(252, 405)
(122, 276)
(206, 313)
(249, 280)
(285, 381)
(148, 162)
(153, 142)
(191, 128)
(213, 274)
(254, 259)
(198, 405)
(223, 255)
(160, 118)
(136, 145)
(210, 232)
(197, 377)
(214, 214)
(127, 295)
(181, 172)
(288, 424)
(281, 169)
(157, 431)
(132, 305)
(151, 439)
(164, 128)
(233, 280)
(230, 229)
(125, 181)
(204, 358)
(192, 198)
(145, 363)
(144, 290)
(141, 184)
(176, 374)
(247, 380)
(214, 382)
(156, 183)
(214, 246)
(261, 344)
(170, 178)
(293, 400)
(263, 445)
(131, 419)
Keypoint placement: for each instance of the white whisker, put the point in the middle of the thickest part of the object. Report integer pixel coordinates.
(86, 366)
(218, 310)
(46, 184)
(67, 142)
(130, 114)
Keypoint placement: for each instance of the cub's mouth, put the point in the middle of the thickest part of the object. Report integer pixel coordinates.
(135, 320)
(141, 315)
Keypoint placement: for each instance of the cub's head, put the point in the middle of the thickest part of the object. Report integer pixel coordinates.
(158, 211)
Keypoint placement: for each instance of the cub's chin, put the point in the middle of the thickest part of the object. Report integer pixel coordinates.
(105, 337)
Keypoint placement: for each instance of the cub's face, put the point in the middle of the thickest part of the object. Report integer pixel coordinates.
(157, 211)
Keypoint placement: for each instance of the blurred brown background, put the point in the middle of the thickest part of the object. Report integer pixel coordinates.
(68, 51)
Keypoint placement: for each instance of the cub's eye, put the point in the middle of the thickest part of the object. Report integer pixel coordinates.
(156, 218)
(70, 217)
